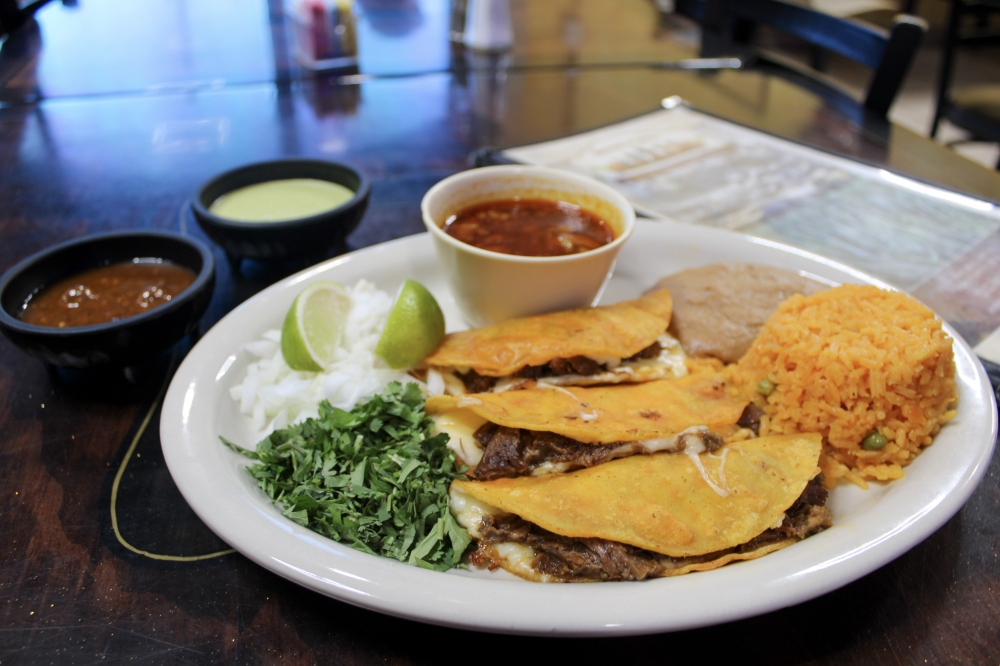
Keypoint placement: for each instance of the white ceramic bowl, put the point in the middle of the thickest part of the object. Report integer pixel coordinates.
(490, 286)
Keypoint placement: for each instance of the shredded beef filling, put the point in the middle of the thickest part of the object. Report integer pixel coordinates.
(566, 558)
(805, 517)
(509, 452)
(517, 452)
(575, 365)
(652, 351)
(750, 418)
(477, 383)
(570, 559)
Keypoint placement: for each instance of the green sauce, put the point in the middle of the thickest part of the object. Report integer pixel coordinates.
(281, 200)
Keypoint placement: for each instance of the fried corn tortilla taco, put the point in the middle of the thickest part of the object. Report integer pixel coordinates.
(554, 429)
(620, 343)
(648, 516)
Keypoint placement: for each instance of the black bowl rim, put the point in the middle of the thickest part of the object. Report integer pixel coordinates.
(204, 276)
(363, 191)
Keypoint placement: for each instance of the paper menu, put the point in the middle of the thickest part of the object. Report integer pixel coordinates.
(697, 169)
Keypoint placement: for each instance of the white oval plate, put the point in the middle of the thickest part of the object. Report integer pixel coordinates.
(870, 527)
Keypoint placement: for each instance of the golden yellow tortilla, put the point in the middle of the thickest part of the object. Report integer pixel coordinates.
(723, 560)
(606, 414)
(620, 330)
(662, 502)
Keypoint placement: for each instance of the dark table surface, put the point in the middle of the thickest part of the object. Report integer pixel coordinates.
(112, 114)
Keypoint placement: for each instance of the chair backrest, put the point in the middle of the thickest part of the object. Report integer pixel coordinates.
(889, 54)
(956, 38)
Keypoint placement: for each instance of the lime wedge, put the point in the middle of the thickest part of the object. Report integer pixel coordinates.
(314, 326)
(414, 328)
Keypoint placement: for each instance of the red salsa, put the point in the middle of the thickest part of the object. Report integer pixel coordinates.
(529, 227)
(108, 293)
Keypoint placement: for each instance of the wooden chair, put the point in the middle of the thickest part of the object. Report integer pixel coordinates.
(888, 54)
(975, 109)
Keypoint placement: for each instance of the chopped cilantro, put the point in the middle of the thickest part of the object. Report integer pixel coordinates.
(372, 478)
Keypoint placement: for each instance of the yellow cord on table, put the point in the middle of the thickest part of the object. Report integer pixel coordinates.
(118, 478)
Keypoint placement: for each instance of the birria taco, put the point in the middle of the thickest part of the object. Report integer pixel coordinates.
(620, 343)
(554, 429)
(648, 516)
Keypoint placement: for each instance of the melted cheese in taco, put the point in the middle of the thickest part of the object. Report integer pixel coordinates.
(648, 516)
(544, 430)
(621, 343)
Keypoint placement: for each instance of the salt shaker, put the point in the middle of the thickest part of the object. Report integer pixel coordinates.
(488, 25)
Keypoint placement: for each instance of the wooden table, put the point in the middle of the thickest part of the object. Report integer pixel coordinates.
(120, 135)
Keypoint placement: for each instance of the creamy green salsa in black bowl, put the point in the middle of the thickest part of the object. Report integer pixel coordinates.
(282, 209)
(125, 337)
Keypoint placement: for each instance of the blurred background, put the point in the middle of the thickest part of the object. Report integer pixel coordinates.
(87, 48)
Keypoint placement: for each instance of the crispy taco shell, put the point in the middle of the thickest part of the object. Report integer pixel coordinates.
(605, 415)
(619, 331)
(664, 503)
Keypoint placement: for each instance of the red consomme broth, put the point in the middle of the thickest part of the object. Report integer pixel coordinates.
(529, 227)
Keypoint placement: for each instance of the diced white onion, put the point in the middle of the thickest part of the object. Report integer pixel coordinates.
(435, 382)
(275, 396)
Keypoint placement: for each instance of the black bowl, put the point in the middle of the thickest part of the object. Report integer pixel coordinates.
(307, 237)
(131, 341)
